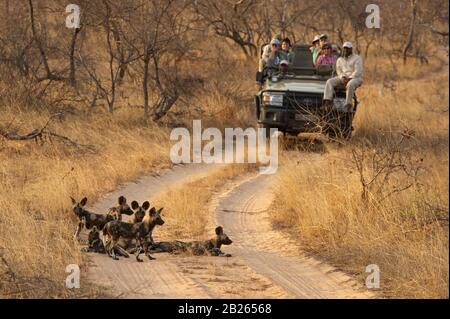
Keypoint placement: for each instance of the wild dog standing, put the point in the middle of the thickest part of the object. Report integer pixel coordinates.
(122, 209)
(138, 231)
(138, 213)
(207, 247)
(88, 219)
(95, 244)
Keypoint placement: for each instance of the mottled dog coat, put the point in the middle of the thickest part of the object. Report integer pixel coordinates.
(115, 230)
(88, 219)
(206, 247)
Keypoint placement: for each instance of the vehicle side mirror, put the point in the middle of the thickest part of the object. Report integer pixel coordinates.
(259, 77)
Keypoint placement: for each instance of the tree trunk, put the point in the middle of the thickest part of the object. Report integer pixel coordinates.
(410, 38)
(145, 84)
(72, 78)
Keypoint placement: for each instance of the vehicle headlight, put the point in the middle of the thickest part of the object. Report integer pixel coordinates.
(273, 99)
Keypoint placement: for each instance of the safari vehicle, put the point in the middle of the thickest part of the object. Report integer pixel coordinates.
(292, 101)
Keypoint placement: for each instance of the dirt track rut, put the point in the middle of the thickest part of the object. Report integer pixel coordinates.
(265, 263)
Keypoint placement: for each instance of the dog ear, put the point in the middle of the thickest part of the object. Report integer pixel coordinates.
(134, 205)
(160, 210)
(152, 211)
(94, 229)
(122, 200)
(74, 202)
(146, 205)
(83, 202)
(219, 230)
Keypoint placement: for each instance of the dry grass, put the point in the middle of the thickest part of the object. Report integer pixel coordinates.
(37, 180)
(406, 235)
(187, 208)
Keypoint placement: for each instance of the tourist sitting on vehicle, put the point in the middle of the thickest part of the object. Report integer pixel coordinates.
(315, 49)
(267, 50)
(286, 47)
(327, 57)
(323, 39)
(276, 55)
(349, 69)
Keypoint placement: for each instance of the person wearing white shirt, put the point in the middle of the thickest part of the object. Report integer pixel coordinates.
(349, 70)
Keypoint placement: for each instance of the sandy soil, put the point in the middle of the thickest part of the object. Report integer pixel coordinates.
(265, 263)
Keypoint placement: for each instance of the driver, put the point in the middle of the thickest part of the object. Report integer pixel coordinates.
(284, 67)
(349, 69)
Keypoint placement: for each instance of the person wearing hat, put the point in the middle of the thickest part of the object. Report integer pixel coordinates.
(350, 71)
(315, 49)
(267, 51)
(284, 66)
(327, 57)
(276, 55)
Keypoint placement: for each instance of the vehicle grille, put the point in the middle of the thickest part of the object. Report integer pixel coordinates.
(303, 102)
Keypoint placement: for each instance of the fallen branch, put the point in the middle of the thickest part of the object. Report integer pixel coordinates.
(43, 133)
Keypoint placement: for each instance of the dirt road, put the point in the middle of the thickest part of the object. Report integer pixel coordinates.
(265, 263)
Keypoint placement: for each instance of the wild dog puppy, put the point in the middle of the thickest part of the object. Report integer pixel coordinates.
(88, 219)
(122, 209)
(207, 247)
(138, 231)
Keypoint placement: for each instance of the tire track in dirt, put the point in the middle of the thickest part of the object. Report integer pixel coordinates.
(173, 276)
(160, 278)
(243, 212)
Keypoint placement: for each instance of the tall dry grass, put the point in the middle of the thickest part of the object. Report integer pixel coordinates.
(36, 222)
(405, 234)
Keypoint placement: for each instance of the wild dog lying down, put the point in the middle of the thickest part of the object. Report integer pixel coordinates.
(207, 247)
(95, 244)
(88, 219)
(139, 231)
(122, 209)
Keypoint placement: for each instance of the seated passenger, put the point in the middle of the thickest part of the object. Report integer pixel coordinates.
(315, 49)
(276, 55)
(323, 39)
(349, 69)
(327, 57)
(266, 52)
(286, 47)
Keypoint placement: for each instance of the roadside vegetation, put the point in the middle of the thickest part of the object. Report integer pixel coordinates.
(84, 110)
(382, 198)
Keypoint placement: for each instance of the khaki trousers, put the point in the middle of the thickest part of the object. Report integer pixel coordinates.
(352, 85)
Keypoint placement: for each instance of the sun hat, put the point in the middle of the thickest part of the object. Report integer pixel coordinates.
(348, 45)
(316, 38)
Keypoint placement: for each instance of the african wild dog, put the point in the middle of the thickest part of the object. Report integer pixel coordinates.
(207, 247)
(122, 209)
(95, 244)
(138, 213)
(138, 231)
(88, 219)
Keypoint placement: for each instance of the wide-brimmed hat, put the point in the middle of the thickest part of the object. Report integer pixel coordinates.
(316, 39)
(284, 62)
(323, 36)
